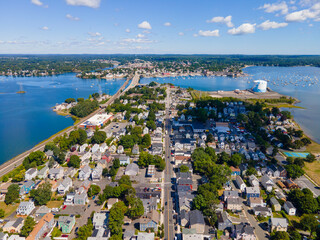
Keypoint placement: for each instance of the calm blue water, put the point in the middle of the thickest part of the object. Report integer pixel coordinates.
(27, 119)
(292, 81)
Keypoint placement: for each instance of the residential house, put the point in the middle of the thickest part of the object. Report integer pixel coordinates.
(16, 237)
(96, 173)
(223, 220)
(267, 183)
(30, 174)
(84, 173)
(42, 210)
(185, 201)
(289, 208)
(149, 204)
(56, 173)
(135, 149)
(111, 201)
(95, 148)
(183, 218)
(64, 186)
(230, 194)
(252, 192)
(253, 180)
(103, 147)
(43, 173)
(278, 224)
(196, 221)
(240, 183)
(145, 236)
(275, 204)
(145, 131)
(13, 226)
(44, 225)
(262, 211)
(25, 208)
(26, 187)
(256, 201)
(150, 221)
(100, 220)
(290, 184)
(124, 159)
(132, 169)
(80, 198)
(243, 231)
(120, 149)
(234, 204)
(235, 171)
(66, 223)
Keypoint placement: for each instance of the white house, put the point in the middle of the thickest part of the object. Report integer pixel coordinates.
(120, 149)
(84, 173)
(95, 148)
(267, 183)
(253, 180)
(96, 173)
(240, 183)
(289, 208)
(31, 173)
(83, 147)
(56, 173)
(145, 130)
(25, 208)
(65, 185)
(103, 147)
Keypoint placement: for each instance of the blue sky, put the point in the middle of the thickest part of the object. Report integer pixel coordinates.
(166, 26)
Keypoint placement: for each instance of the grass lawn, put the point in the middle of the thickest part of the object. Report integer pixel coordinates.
(313, 170)
(54, 204)
(8, 209)
(277, 215)
(294, 218)
(313, 148)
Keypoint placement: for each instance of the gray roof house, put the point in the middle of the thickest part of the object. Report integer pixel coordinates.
(243, 231)
(80, 198)
(84, 173)
(96, 173)
(43, 172)
(275, 204)
(223, 221)
(230, 194)
(65, 185)
(196, 221)
(132, 169)
(267, 183)
(100, 220)
(278, 224)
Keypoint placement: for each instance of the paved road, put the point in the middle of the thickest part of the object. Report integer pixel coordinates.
(260, 233)
(168, 173)
(304, 182)
(17, 161)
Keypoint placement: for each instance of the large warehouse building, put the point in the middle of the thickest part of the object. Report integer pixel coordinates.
(260, 86)
(96, 121)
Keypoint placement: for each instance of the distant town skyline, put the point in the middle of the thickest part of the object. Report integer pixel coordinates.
(160, 27)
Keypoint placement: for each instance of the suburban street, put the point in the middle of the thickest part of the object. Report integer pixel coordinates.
(168, 173)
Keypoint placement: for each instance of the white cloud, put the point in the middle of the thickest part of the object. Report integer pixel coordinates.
(144, 25)
(275, 7)
(140, 35)
(208, 33)
(86, 3)
(272, 25)
(72, 18)
(94, 34)
(167, 24)
(181, 34)
(128, 30)
(37, 2)
(224, 20)
(137, 40)
(243, 29)
(302, 15)
(45, 28)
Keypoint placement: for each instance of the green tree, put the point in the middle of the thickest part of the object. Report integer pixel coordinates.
(12, 194)
(151, 125)
(280, 235)
(294, 171)
(37, 157)
(146, 141)
(69, 100)
(98, 137)
(236, 160)
(28, 226)
(74, 161)
(135, 209)
(125, 179)
(42, 195)
(309, 223)
(184, 168)
(93, 190)
(56, 232)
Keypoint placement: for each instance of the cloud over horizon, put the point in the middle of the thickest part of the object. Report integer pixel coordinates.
(245, 28)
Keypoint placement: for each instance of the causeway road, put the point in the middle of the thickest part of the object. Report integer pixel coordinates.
(17, 161)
